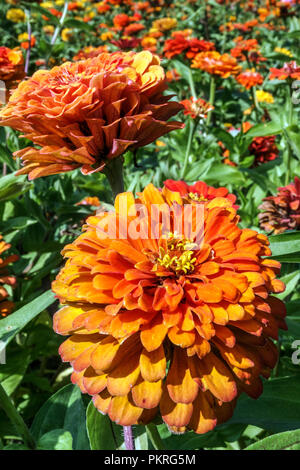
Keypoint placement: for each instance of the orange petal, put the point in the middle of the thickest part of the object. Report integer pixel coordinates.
(147, 394)
(153, 364)
(181, 387)
(175, 414)
(123, 411)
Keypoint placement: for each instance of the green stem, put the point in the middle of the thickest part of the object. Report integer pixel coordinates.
(255, 102)
(192, 85)
(154, 437)
(288, 160)
(114, 173)
(212, 94)
(193, 127)
(15, 418)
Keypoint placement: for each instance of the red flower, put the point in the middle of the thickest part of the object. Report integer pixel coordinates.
(199, 191)
(282, 212)
(264, 149)
(133, 28)
(126, 44)
(198, 45)
(249, 78)
(289, 70)
(121, 20)
(196, 107)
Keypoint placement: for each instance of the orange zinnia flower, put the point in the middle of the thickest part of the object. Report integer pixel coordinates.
(6, 306)
(249, 78)
(86, 113)
(290, 70)
(11, 64)
(196, 107)
(217, 64)
(135, 304)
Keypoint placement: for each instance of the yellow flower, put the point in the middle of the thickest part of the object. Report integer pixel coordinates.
(60, 2)
(48, 29)
(106, 36)
(164, 24)
(47, 5)
(23, 37)
(16, 15)
(147, 41)
(264, 97)
(283, 50)
(66, 34)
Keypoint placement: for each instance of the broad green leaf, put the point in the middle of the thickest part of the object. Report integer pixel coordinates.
(276, 410)
(15, 322)
(57, 439)
(224, 174)
(286, 247)
(72, 23)
(263, 130)
(289, 440)
(291, 281)
(100, 430)
(12, 372)
(64, 410)
(12, 186)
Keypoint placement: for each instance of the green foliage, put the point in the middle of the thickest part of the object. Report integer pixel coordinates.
(40, 217)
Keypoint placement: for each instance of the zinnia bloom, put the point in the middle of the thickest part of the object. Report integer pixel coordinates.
(264, 149)
(243, 47)
(86, 113)
(199, 191)
(249, 78)
(89, 52)
(132, 305)
(11, 64)
(89, 201)
(282, 212)
(217, 64)
(290, 70)
(264, 96)
(196, 107)
(6, 306)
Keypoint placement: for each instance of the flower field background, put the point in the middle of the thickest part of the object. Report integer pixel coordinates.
(172, 346)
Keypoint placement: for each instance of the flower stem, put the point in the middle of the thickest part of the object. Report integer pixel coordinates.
(255, 102)
(212, 94)
(114, 173)
(15, 418)
(28, 13)
(193, 127)
(154, 437)
(128, 438)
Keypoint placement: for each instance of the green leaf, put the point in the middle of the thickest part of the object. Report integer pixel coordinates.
(64, 410)
(57, 439)
(12, 186)
(263, 130)
(289, 440)
(286, 247)
(276, 410)
(100, 430)
(72, 23)
(15, 322)
(224, 174)
(12, 372)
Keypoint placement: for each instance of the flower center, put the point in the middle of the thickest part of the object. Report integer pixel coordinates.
(197, 197)
(178, 256)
